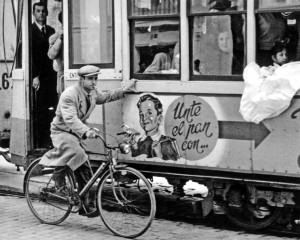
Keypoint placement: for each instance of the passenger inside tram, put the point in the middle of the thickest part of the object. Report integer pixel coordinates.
(55, 53)
(165, 61)
(156, 43)
(162, 61)
(279, 56)
(276, 27)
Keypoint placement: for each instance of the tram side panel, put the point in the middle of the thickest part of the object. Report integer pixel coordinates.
(208, 132)
(7, 51)
(279, 153)
(5, 106)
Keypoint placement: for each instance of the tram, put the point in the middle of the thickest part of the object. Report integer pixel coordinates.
(188, 57)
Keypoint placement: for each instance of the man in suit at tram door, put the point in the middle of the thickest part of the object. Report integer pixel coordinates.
(43, 76)
(69, 126)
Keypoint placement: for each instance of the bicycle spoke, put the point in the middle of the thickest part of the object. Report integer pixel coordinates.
(124, 209)
(48, 203)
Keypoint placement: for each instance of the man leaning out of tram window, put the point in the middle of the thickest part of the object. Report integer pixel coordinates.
(153, 143)
(69, 126)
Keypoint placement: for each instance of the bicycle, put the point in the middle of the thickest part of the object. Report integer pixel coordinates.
(125, 200)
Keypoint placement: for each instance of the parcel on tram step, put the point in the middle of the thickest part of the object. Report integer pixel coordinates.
(268, 90)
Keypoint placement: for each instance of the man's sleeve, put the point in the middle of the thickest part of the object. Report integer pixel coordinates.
(55, 45)
(35, 56)
(109, 96)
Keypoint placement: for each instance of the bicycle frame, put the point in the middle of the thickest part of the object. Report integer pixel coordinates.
(109, 164)
(101, 169)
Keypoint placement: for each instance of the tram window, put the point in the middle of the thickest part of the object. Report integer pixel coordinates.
(277, 26)
(218, 37)
(155, 39)
(91, 33)
(8, 34)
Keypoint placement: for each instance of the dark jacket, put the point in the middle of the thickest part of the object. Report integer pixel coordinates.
(41, 63)
(168, 148)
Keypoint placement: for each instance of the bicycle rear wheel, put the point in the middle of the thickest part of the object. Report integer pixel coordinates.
(48, 202)
(126, 202)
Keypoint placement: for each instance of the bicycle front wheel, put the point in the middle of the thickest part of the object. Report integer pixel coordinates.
(48, 202)
(126, 202)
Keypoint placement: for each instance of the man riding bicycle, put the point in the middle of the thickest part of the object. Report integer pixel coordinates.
(69, 126)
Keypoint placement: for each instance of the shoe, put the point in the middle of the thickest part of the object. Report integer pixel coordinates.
(88, 211)
(88, 206)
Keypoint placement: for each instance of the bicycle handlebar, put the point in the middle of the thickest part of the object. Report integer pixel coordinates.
(128, 132)
(104, 143)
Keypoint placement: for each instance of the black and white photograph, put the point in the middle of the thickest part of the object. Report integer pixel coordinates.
(150, 119)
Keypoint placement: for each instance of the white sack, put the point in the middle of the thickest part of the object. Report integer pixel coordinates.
(268, 91)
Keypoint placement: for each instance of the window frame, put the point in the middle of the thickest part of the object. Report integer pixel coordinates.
(203, 77)
(70, 44)
(132, 19)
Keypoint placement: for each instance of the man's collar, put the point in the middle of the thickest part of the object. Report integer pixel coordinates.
(81, 89)
(155, 137)
(39, 25)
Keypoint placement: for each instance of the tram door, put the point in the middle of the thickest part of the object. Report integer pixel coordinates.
(46, 23)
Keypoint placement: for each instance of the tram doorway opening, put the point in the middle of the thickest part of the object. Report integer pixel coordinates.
(43, 78)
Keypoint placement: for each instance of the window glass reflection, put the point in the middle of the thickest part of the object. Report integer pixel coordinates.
(156, 47)
(218, 44)
(92, 32)
(153, 7)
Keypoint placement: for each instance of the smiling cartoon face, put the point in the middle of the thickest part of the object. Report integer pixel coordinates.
(149, 117)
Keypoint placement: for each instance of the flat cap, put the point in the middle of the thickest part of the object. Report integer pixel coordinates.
(88, 70)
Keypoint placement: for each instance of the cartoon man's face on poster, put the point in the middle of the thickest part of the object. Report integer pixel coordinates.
(172, 128)
(150, 114)
(153, 143)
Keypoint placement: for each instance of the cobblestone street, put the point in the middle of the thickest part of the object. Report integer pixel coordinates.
(18, 223)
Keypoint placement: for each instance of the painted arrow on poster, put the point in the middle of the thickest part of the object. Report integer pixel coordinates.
(243, 131)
